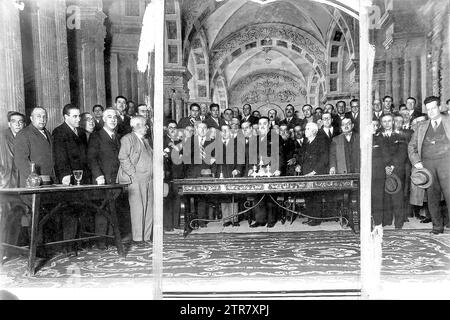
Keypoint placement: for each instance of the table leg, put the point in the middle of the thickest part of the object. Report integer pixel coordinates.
(35, 205)
(115, 223)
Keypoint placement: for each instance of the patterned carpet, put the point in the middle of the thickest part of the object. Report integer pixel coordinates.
(293, 255)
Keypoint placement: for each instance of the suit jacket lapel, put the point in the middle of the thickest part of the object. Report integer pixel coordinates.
(421, 135)
(39, 134)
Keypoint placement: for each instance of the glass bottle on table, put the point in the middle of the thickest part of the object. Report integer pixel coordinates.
(33, 179)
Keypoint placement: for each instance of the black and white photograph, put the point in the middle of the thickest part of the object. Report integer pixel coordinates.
(225, 149)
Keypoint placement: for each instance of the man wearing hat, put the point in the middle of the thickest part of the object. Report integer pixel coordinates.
(394, 154)
(430, 148)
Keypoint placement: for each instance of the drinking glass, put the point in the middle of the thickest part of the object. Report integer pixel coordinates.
(78, 175)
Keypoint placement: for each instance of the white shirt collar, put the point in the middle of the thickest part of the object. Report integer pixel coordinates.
(438, 121)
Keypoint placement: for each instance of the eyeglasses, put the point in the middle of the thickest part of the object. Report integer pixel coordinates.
(17, 121)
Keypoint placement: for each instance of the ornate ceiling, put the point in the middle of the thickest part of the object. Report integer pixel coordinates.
(245, 37)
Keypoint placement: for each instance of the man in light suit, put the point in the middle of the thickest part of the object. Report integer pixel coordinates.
(430, 148)
(136, 157)
(34, 144)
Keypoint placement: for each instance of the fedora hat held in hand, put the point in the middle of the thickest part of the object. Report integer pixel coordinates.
(421, 178)
(392, 184)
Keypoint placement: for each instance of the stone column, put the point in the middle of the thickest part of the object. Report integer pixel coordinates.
(90, 46)
(396, 81)
(388, 90)
(415, 78)
(114, 76)
(50, 58)
(11, 75)
(406, 79)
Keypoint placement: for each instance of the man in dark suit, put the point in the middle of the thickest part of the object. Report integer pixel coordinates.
(290, 119)
(87, 124)
(341, 108)
(388, 106)
(296, 157)
(377, 110)
(247, 115)
(328, 132)
(307, 110)
(70, 147)
(394, 156)
(354, 114)
(194, 110)
(103, 152)
(329, 108)
(414, 112)
(97, 111)
(344, 150)
(268, 149)
(227, 166)
(227, 116)
(314, 161)
(172, 170)
(16, 122)
(34, 144)
(70, 153)
(430, 148)
(273, 119)
(198, 158)
(123, 120)
(214, 120)
(378, 175)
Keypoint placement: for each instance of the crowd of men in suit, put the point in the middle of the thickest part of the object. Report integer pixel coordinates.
(323, 141)
(111, 145)
(234, 144)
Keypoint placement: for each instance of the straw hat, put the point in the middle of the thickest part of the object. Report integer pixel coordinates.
(392, 184)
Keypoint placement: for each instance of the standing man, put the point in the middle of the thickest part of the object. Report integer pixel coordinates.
(214, 120)
(394, 156)
(313, 162)
(34, 144)
(227, 116)
(388, 104)
(70, 147)
(307, 112)
(411, 106)
(194, 110)
(97, 110)
(87, 124)
(341, 108)
(131, 108)
(273, 121)
(103, 152)
(344, 150)
(290, 120)
(430, 148)
(16, 122)
(377, 110)
(123, 120)
(136, 157)
(328, 131)
(70, 153)
(354, 114)
(247, 116)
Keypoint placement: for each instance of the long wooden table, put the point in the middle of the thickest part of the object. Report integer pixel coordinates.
(345, 184)
(55, 197)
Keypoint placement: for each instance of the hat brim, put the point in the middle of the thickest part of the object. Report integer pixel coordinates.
(426, 172)
(399, 185)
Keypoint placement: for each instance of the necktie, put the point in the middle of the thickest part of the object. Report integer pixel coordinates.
(192, 121)
(75, 131)
(202, 150)
(146, 145)
(113, 137)
(435, 124)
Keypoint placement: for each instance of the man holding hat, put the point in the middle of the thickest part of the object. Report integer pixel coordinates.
(394, 154)
(430, 148)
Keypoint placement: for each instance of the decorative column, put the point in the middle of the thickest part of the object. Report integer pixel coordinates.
(11, 75)
(388, 90)
(90, 47)
(175, 88)
(396, 81)
(114, 76)
(406, 79)
(50, 58)
(415, 78)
